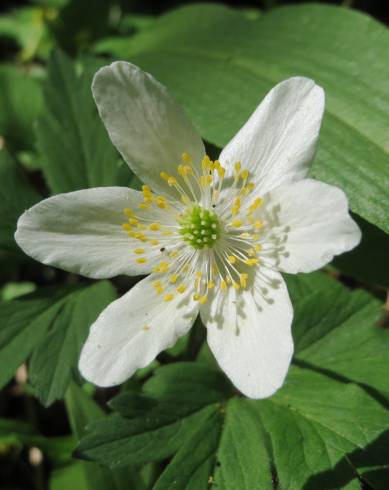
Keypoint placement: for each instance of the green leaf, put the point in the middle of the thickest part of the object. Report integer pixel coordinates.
(52, 325)
(21, 102)
(74, 147)
(308, 40)
(164, 416)
(313, 422)
(321, 430)
(16, 195)
(338, 330)
(82, 409)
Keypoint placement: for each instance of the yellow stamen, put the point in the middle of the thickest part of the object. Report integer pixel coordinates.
(168, 297)
(155, 226)
(231, 259)
(139, 251)
(141, 260)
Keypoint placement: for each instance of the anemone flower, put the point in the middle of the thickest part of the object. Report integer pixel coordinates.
(212, 235)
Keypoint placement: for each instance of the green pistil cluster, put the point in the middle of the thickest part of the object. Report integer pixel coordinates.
(200, 227)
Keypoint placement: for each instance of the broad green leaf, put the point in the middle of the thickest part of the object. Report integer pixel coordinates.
(312, 423)
(74, 147)
(20, 103)
(12, 290)
(52, 326)
(338, 330)
(229, 453)
(343, 50)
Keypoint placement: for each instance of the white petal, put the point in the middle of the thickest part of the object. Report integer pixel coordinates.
(132, 331)
(308, 224)
(278, 142)
(249, 334)
(81, 232)
(144, 122)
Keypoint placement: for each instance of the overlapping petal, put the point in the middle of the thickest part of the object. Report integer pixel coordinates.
(145, 123)
(249, 334)
(278, 142)
(306, 224)
(133, 330)
(82, 232)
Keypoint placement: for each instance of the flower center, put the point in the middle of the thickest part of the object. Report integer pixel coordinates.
(200, 227)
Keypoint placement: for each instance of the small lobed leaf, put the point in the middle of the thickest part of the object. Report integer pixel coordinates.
(73, 144)
(52, 325)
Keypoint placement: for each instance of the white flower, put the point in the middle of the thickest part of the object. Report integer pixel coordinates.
(213, 235)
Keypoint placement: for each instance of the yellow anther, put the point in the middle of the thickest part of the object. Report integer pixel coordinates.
(203, 299)
(250, 186)
(161, 202)
(258, 225)
(251, 262)
(206, 162)
(256, 236)
(228, 279)
(199, 274)
(145, 328)
(146, 190)
(237, 223)
(181, 288)
(237, 166)
(237, 202)
(141, 260)
(184, 170)
(211, 285)
(164, 176)
(231, 259)
(162, 267)
(138, 236)
(235, 285)
(256, 204)
(157, 284)
(244, 174)
(245, 235)
(168, 297)
(167, 233)
(128, 212)
(205, 180)
(186, 158)
(257, 248)
(223, 285)
(139, 251)
(173, 254)
(133, 221)
(144, 205)
(126, 227)
(196, 296)
(221, 171)
(243, 280)
(173, 278)
(154, 242)
(216, 165)
(155, 226)
(172, 181)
